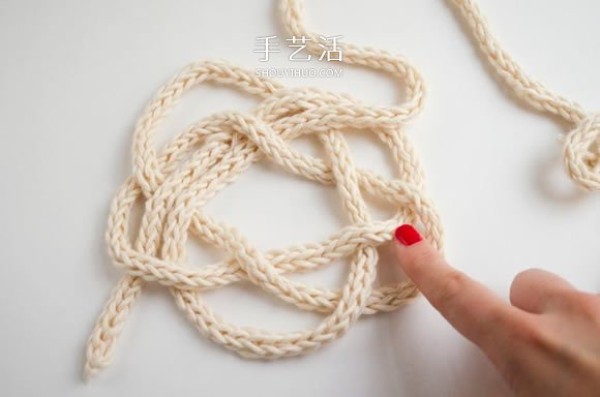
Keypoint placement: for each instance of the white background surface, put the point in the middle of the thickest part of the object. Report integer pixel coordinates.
(75, 75)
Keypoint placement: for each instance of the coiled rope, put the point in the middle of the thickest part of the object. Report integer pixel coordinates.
(178, 181)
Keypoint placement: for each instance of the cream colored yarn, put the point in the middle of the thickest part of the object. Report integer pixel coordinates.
(178, 181)
(581, 146)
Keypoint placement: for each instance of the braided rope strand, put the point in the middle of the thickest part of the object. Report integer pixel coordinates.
(581, 146)
(177, 182)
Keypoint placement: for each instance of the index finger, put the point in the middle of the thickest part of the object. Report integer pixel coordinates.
(475, 311)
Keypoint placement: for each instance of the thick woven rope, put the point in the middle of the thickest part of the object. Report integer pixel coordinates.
(178, 180)
(581, 145)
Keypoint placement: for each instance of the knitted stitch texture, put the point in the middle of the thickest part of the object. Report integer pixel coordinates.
(581, 145)
(178, 181)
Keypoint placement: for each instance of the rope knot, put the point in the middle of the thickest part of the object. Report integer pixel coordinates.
(178, 180)
(582, 152)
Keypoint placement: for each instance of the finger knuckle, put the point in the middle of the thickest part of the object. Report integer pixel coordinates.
(454, 283)
(529, 333)
(424, 256)
(539, 337)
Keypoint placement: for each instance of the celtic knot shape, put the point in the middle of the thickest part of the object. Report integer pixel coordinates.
(177, 181)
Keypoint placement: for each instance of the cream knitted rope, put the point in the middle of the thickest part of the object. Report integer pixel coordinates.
(178, 181)
(581, 147)
(213, 152)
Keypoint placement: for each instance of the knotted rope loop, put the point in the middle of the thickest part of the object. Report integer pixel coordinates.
(177, 182)
(581, 151)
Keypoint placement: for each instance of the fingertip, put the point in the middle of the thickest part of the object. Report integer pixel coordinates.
(469, 306)
(536, 290)
(407, 235)
(414, 253)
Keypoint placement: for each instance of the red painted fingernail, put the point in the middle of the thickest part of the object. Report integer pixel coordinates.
(407, 235)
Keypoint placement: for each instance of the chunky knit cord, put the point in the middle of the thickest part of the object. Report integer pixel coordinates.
(176, 182)
(581, 146)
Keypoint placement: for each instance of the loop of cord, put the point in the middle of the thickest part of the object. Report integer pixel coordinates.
(581, 147)
(177, 182)
(581, 150)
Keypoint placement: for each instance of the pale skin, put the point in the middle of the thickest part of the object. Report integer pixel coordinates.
(545, 342)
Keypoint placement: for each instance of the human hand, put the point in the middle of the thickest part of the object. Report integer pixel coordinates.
(546, 342)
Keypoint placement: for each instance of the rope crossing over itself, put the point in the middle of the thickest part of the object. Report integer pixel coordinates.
(581, 146)
(178, 181)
